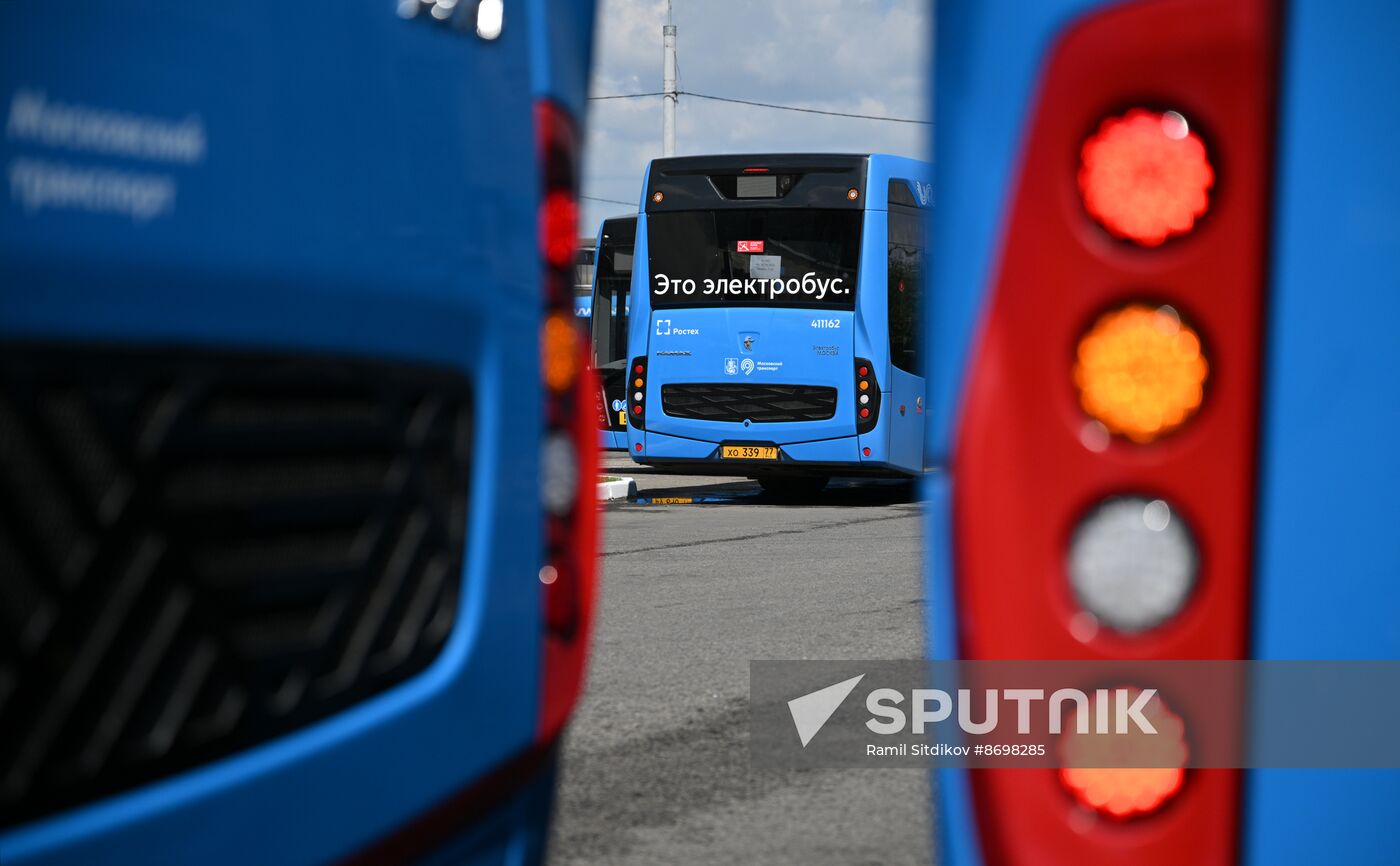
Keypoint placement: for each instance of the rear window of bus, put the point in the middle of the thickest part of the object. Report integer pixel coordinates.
(787, 257)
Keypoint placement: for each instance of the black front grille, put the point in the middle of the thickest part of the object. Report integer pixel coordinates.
(744, 401)
(199, 552)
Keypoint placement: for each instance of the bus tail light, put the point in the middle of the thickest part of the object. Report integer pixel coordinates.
(1132, 565)
(1140, 371)
(867, 396)
(568, 455)
(1149, 771)
(636, 393)
(1096, 426)
(560, 341)
(1145, 176)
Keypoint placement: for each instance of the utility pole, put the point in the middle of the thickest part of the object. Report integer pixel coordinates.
(668, 86)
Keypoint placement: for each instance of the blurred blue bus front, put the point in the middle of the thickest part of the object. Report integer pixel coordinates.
(774, 332)
(277, 583)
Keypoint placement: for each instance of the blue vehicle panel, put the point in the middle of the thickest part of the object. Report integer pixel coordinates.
(286, 181)
(1327, 552)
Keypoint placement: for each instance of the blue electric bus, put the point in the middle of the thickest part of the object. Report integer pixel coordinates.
(612, 292)
(774, 331)
(1163, 330)
(297, 527)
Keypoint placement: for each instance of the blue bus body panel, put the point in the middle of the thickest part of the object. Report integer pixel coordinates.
(561, 49)
(1328, 555)
(899, 435)
(639, 317)
(709, 337)
(367, 189)
(986, 77)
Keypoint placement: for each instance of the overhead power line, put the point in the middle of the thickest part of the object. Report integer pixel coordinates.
(806, 110)
(608, 200)
(628, 95)
(773, 105)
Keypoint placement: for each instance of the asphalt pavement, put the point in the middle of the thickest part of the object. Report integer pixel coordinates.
(655, 766)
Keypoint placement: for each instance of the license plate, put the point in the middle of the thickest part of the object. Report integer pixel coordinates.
(748, 452)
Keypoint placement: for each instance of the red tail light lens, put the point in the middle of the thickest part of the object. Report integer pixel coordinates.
(559, 228)
(1123, 792)
(1145, 176)
(568, 455)
(1104, 772)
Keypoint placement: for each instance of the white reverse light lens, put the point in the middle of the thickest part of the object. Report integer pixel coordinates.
(488, 18)
(1132, 563)
(558, 474)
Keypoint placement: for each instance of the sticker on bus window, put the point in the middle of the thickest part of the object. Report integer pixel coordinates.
(765, 267)
(749, 247)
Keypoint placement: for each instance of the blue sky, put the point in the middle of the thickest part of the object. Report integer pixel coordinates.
(863, 56)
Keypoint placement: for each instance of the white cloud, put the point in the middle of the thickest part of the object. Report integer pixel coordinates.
(861, 56)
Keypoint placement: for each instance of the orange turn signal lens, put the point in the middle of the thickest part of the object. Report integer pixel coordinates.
(559, 348)
(1140, 371)
(864, 385)
(1145, 176)
(1105, 772)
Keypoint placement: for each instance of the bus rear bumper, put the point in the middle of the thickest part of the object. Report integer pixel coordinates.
(840, 456)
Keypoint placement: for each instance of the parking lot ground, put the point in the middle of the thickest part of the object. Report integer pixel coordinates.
(655, 767)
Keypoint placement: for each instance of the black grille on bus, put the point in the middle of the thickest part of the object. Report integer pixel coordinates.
(201, 551)
(743, 401)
